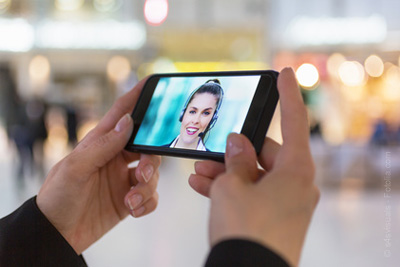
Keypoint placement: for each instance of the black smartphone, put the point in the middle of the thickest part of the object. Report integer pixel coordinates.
(191, 114)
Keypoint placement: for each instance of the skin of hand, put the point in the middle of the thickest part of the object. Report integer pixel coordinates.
(92, 189)
(273, 205)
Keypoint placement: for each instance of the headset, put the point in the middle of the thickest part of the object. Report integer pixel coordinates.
(215, 116)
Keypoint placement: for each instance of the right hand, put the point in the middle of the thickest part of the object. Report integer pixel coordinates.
(92, 189)
(272, 206)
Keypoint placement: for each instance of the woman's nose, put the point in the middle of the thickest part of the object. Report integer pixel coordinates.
(196, 119)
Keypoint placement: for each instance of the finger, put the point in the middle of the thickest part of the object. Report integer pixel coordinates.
(130, 156)
(148, 165)
(132, 178)
(209, 168)
(240, 158)
(147, 207)
(97, 152)
(201, 184)
(268, 154)
(141, 193)
(294, 124)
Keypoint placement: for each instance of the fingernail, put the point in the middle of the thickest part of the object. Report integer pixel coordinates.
(134, 201)
(235, 145)
(147, 172)
(138, 212)
(122, 123)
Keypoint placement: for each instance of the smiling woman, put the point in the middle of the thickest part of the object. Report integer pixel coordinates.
(199, 115)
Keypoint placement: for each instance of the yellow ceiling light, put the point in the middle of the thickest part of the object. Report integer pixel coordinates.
(68, 5)
(118, 68)
(333, 64)
(107, 5)
(374, 66)
(391, 89)
(39, 69)
(352, 73)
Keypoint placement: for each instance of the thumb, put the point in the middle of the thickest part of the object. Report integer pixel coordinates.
(103, 148)
(241, 158)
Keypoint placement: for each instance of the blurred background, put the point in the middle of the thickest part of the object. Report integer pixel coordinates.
(64, 62)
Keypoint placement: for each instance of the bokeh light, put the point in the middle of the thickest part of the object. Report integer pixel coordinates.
(334, 131)
(333, 64)
(307, 75)
(68, 5)
(39, 69)
(107, 5)
(163, 65)
(155, 11)
(374, 66)
(118, 68)
(352, 73)
(391, 90)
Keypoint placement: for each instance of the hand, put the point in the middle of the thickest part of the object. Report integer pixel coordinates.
(92, 189)
(272, 206)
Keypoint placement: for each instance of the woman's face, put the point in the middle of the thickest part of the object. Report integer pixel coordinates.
(197, 116)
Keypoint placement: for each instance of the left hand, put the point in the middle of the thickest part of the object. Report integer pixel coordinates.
(92, 189)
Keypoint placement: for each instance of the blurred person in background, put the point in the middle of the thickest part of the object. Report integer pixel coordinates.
(72, 124)
(385, 134)
(259, 217)
(25, 125)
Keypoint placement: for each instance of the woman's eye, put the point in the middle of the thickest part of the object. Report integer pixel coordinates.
(192, 112)
(206, 113)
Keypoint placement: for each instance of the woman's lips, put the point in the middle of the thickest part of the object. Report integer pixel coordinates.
(191, 130)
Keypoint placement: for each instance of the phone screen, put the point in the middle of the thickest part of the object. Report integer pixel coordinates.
(196, 113)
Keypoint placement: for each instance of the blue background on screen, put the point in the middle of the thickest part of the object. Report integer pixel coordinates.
(161, 123)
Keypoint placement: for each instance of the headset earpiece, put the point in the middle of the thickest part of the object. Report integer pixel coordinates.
(182, 113)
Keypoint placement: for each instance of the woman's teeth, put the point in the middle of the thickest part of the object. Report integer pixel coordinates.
(191, 131)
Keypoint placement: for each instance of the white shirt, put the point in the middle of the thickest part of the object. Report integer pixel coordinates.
(200, 144)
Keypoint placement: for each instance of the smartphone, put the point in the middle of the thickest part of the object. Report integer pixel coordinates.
(191, 114)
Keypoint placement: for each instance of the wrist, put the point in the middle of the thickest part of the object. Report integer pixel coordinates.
(50, 215)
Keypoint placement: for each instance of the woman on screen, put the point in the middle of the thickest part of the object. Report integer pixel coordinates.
(199, 115)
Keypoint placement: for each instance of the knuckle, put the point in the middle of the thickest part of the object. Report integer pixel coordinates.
(306, 171)
(225, 184)
(148, 190)
(69, 163)
(119, 105)
(102, 140)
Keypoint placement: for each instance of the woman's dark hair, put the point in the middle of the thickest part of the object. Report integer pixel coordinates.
(212, 86)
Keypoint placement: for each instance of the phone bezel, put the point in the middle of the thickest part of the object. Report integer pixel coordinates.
(261, 109)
